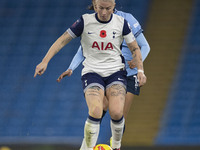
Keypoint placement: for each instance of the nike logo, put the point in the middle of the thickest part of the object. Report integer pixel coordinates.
(90, 33)
(118, 130)
(120, 79)
(92, 132)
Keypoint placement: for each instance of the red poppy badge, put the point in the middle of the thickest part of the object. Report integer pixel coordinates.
(103, 33)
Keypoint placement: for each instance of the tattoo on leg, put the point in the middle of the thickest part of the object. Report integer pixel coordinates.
(94, 91)
(118, 90)
(95, 88)
(93, 94)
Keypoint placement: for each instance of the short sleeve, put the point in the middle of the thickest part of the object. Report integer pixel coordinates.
(126, 28)
(77, 28)
(129, 38)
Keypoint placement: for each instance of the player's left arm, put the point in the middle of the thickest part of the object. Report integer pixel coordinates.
(138, 33)
(144, 47)
(137, 57)
(136, 53)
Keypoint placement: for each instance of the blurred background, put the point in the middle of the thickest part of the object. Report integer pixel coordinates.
(39, 113)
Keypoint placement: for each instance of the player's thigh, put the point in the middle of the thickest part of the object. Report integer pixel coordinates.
(94, 96)
(93, 87)
(116, 97)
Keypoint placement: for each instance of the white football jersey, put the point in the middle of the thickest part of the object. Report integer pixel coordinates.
(101, 43)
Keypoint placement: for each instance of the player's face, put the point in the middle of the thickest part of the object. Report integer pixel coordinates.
(104, 9)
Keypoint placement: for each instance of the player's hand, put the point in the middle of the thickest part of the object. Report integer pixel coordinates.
(132, 63)
(142, 78)
(40, 69)
(66, 73)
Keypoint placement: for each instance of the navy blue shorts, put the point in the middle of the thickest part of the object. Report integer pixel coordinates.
(133, 85)
(93, 79)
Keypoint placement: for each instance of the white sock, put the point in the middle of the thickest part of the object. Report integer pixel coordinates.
(83, 145)
(91, 133)
(117, 132)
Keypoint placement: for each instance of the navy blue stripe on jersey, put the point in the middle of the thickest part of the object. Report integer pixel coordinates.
(77, 27)
(126, 29)
(123, 60)
(138, 33)
(96, 16)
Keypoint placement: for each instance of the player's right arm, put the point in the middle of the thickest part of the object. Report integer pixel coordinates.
(74, 31)
(54, 49)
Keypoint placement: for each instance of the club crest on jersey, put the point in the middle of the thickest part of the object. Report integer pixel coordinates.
(103, 33)
(114, 33)
(102, 45)
(75, 23)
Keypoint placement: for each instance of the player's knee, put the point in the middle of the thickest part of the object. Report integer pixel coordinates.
(116, 114)
(96, 112)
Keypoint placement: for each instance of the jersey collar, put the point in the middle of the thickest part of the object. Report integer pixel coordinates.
(96, 16)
